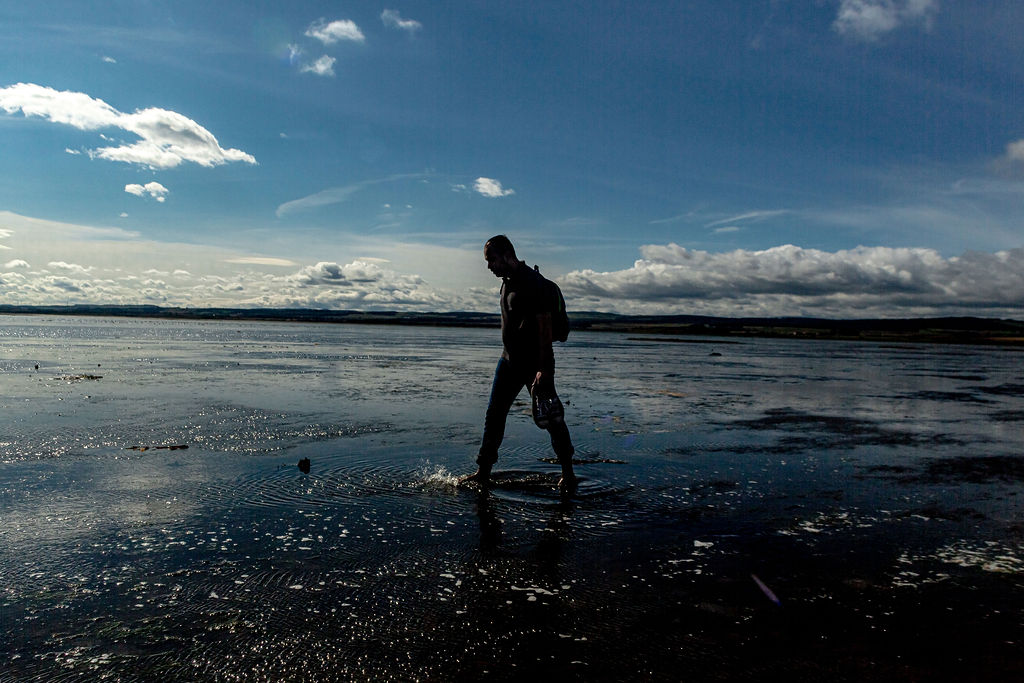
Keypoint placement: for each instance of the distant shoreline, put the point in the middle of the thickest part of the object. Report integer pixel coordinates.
(947, 330)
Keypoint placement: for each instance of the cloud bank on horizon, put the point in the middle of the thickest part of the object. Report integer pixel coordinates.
(885, 180)
(862, 282)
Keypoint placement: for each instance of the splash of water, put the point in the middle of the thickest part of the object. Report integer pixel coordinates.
(436, 476)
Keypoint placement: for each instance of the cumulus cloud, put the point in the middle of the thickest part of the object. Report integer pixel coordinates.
(329, 33)
(68, 267)
(392, 19)
(361, 284)
(489, 187)
(109, 60)
(64, 284)
(869, 20)
(336, 275)
(17, 263)
(167, 138)
(153, 189)
(789, 280)
(321, 67)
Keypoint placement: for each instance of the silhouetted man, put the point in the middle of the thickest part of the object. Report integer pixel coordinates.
(527, 359)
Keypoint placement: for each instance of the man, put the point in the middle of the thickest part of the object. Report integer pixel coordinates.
(527, 359)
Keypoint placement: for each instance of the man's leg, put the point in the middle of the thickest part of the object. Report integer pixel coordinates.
(504, 389)
(561, 444)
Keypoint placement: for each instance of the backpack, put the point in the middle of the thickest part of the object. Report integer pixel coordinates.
(559, 317)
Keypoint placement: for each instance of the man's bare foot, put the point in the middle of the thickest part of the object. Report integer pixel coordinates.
(481, 477)
(567, 484)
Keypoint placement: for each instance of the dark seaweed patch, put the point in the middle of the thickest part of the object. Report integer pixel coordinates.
(955, 396)
(975, 469)
(827, 431)
(1008, 416)
(888, 469)
(967, 468)
(1016, 390)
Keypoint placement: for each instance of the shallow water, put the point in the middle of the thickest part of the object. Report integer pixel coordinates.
(874, 491)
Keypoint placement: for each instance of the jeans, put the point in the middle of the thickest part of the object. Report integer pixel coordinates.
(508, 382)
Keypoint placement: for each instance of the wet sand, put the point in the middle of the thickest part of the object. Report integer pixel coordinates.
(819, 510)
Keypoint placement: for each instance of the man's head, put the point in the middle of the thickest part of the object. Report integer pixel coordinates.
(500, 256)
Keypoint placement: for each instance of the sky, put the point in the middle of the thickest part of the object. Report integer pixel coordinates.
(826, 158)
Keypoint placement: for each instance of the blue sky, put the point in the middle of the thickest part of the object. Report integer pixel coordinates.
(804, 157)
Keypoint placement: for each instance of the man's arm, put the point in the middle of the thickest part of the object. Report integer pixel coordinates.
(544, 353)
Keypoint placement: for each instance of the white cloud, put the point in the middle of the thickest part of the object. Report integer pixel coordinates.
(69, 267)
(71, 108)
(789, 280)
(73, 152)
(726, 228)
(336, 195)
(167, 138)
(17, 263)
(868, 20)
(153, 189)
(321, 67)
(109, 60)
(335, 31)
(489, 187)
(361, 284)
(755, 216)
(261, 261)
(392, 19)
(1015, 152)
(333, 274)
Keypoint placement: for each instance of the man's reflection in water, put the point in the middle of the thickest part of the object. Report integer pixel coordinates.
(548, 551)
(490, 525)
(549, 545)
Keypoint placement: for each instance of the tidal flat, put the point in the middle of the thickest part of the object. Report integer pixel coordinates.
(821, 510)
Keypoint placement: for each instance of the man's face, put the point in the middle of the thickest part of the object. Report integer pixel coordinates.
(497, 262)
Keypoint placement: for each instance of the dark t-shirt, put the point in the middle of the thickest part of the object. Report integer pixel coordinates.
(522, 300)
